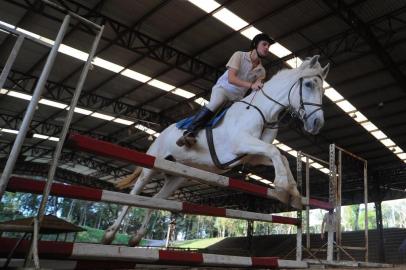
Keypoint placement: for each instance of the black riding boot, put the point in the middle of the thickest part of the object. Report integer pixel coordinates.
(199, 120)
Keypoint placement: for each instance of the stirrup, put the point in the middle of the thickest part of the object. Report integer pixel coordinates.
(188, 139)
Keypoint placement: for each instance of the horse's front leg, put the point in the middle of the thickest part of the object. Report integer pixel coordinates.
(296, 201)
(172, 183)
(111, 231)
(254, 146)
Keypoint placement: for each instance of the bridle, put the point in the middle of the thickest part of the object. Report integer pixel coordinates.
(300, 113)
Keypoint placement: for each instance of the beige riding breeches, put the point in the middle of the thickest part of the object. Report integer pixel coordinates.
(219, 96)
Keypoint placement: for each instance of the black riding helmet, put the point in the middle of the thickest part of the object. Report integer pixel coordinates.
(258, 38)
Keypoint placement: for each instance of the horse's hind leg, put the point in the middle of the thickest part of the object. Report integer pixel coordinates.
(172, 183)
(111, 231)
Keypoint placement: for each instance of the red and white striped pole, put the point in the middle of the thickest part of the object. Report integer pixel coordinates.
(19, 184)
(107, 149)
(84, 251)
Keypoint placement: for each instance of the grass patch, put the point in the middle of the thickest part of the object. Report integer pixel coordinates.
(92, 235)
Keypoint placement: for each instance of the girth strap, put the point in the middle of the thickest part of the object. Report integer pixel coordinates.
(213, 154)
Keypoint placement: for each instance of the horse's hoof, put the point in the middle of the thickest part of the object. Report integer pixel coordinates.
(181, 141)
(134, 241)
(281, 195)
(296, 202)
(187, 141)
(190, 141)
(106, 240)
(282, 182)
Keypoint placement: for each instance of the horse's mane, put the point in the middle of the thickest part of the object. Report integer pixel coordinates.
(284, 76)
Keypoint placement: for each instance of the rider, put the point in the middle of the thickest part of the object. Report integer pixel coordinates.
(244, 71)
(328, 223)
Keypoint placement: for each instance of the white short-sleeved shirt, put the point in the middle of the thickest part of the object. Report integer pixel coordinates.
(330, 222)
(241, 61)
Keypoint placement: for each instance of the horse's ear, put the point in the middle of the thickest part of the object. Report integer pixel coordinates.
(305, 63)
(325, 70)
(314, 60)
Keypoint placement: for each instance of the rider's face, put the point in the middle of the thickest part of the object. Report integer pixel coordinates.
(262, 48)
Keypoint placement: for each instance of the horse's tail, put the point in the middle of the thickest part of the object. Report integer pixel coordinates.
(129, 180)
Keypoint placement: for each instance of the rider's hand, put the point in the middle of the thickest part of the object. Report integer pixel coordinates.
(257, 85)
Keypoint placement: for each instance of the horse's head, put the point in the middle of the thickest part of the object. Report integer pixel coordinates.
(306, 95)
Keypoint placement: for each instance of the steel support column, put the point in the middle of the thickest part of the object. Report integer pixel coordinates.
(379, 227)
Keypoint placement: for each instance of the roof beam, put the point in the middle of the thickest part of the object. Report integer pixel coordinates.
(271, 13)
(138, 42)
(25, 82)
(348, 16)
(50, 129)
(68, 157)
(31, 6)
(62, 175)
(343, 42)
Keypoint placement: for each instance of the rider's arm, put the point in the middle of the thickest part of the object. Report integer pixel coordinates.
(233, 66)
(262, 75)
(233, 79)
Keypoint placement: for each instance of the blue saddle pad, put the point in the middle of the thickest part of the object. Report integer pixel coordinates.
(185, 123)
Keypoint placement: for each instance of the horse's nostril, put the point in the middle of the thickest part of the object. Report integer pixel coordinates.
(308, 84)
(316, 122)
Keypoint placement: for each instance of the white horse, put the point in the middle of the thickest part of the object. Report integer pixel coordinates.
(242, 131)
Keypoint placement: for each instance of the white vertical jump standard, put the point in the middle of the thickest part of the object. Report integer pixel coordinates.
(299, 234)
(335, 192)
(32, 106)
(88, 144)
(335, 199)
(304, 157)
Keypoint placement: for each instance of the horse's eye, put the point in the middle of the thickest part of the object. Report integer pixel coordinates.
(308, 84)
